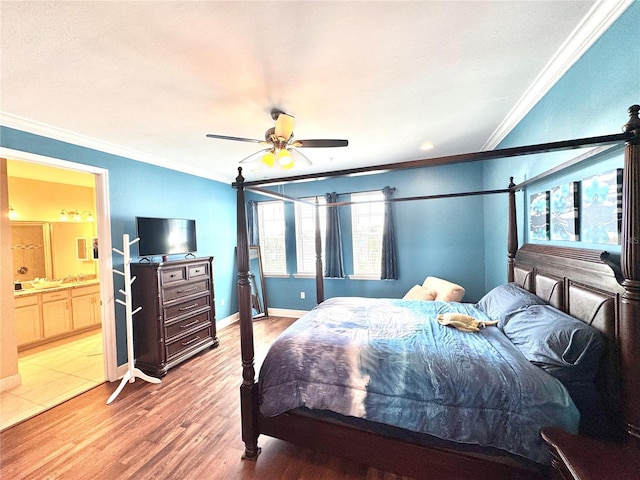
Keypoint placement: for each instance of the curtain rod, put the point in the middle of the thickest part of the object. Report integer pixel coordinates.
(393, 189)
(282, 196)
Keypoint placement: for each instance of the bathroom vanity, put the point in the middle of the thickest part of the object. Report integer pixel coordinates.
(49, 313)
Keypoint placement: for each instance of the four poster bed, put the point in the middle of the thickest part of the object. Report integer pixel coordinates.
(576, 300)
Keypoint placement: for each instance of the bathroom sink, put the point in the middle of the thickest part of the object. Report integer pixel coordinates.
(41, 284)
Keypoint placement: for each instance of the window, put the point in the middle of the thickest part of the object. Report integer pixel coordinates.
(306, 235)
(367, 223)
(272, 244)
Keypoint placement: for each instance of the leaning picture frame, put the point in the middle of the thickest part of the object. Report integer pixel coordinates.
(564, 205)
(601, 208)
(539, 216)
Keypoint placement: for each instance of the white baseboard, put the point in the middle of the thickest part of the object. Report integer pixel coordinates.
(285, 312)
(226, 321)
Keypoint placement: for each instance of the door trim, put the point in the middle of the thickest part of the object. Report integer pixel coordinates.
(103, 216)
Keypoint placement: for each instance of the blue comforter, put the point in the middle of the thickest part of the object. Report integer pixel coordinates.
(389, 361)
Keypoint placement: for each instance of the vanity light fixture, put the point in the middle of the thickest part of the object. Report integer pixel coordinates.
(12, 213)
(75, 215)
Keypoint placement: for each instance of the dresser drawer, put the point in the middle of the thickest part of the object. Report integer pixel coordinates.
(185, 289)
(187, 324)
(171, 275)
(200, 270)
(53, 296)
(174, 348)
(26, 300)
(189, 306)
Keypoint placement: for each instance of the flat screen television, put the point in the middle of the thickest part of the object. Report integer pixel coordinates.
(165, 236)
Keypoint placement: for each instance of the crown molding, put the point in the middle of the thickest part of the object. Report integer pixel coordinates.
(37, 128)
(593, 25)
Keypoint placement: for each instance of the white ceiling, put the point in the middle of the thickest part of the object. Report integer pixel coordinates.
(149, 79)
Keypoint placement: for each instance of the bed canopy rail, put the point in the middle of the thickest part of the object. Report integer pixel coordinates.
(614, 139)
(318, 240)
(629, 324)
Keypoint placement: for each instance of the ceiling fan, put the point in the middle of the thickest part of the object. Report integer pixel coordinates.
(282, 148)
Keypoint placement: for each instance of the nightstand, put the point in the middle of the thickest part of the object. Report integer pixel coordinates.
(575, 457)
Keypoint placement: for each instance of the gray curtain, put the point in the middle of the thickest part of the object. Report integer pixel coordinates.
(389, 269)
(333, 265)
(252, 223)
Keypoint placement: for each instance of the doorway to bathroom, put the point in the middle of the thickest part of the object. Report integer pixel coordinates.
(62, 364)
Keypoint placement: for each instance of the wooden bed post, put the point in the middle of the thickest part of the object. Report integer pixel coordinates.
(249, 388)
(319, 272)
(512, 232)
(630, 265)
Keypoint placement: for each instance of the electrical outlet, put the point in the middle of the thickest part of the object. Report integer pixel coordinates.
(302, 295)
(222, 302)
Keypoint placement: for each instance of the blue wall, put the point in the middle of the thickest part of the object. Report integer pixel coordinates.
(141, 189)
(436, 237)
(591, 99)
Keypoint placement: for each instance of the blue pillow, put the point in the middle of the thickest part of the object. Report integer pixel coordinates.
(506, 299)
(562, 345)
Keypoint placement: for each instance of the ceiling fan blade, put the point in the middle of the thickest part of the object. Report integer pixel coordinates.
(238, 139)
(319, 143)
(298, 157)
(255, 156)
(284, 126)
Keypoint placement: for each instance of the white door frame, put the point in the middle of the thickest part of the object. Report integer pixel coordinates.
(105, 258)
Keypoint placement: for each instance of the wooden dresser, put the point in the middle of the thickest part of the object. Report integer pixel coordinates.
(177, 319)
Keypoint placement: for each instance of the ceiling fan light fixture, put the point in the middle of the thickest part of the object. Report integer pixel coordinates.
(284, 126)
(284, 159)
(269, 158)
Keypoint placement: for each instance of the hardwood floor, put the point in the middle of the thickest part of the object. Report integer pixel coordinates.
(187, 427)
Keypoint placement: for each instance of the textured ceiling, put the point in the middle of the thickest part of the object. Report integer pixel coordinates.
(149, 80)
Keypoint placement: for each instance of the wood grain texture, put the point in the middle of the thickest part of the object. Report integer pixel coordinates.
(187, 427)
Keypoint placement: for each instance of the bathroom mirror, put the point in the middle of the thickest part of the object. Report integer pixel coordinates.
(31, 249)
(51, 250)
(258, 289)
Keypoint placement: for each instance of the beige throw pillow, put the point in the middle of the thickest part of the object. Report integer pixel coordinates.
(417, 292)
(445, 291)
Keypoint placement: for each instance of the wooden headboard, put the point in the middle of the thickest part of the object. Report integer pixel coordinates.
(584, 284)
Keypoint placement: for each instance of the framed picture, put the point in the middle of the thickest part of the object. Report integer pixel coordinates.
(539, 216)
(81, 248)
(565, 221)
(601, 208)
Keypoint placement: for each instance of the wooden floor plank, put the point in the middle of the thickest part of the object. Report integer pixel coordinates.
(187, 428)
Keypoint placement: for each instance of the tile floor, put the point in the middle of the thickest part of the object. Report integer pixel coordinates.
(52, 374)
